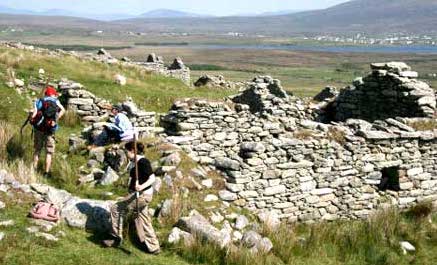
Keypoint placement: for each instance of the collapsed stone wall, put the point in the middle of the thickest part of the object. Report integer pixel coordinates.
(153, 63)
(96, 111)
(332, 173)
(391, 90)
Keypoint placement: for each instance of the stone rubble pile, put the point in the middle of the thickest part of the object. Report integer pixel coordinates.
(218, 81)
(391, 90)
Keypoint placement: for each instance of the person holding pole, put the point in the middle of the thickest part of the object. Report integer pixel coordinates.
(140, 195)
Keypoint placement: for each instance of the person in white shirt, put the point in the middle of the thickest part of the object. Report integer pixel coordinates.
(122, 128)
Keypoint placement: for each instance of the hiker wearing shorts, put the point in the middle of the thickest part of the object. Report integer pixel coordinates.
(47, 111)
(131, 203)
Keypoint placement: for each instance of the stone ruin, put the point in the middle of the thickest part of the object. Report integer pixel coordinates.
(153, 63)
(218, 81)
(391, 90)
(176, 70)
(276, 157)
(96, 111)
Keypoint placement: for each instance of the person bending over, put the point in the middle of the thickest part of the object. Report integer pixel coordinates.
(138, 199)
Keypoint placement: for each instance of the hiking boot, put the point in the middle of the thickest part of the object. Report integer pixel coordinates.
(112, 243)
(47, 175)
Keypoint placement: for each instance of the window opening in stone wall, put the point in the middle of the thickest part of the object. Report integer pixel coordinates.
(389, 179)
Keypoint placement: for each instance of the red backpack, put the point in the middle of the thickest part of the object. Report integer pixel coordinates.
(45, 211)
(45, 119)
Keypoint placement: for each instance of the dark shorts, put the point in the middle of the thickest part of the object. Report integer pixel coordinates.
(42, 140)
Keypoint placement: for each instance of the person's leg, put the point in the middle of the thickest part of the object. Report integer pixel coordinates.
(118, 212)
(144, 227)
(37, 146)
(50, 148)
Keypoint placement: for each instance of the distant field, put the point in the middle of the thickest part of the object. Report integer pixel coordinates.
(302, 72)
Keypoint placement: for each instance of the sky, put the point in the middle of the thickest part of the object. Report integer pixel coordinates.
(210, 7)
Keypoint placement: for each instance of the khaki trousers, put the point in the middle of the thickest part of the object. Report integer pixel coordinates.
(143, 221)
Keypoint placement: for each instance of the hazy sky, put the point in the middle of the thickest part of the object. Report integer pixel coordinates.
(213, 7)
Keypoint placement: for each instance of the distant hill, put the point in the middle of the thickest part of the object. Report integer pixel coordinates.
(356, 16)
(168, 13)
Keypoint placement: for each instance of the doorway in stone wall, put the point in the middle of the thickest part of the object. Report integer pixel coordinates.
(390, 179)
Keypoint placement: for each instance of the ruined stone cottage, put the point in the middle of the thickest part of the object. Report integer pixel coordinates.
(275, 156)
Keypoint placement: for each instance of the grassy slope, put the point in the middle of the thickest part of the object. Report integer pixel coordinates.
(326, 244)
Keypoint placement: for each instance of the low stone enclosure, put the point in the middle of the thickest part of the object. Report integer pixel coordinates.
(275, 156)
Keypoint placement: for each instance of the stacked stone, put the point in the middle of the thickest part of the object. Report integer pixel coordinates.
(154, 64)
(143, 121)
(218, 81)
(84, 103)
(391, 90)
(92, 109)
(319, 177)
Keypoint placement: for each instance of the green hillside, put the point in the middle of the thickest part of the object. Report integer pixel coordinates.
(373, 241)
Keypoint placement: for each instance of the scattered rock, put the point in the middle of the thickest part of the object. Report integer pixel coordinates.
(195, 223)
(157, 185)
(109, 178)
(173, 159)
(7, 223)
(177, 234)
(2, 205)
(47, 236)
(120, 80)
(2, 235)
(216, 217)
(208, 183)
(211, 198)
(407, 247)
(241, 222)
(227, 195)
(166, 208)
(269, 219)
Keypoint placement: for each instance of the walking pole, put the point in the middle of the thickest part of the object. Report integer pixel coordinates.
(137, 194)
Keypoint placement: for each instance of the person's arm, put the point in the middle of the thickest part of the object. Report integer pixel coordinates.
(146, 184)
(35, 109)
(145, 169)
(62, 109)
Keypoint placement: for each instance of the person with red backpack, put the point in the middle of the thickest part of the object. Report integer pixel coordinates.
(47, 111)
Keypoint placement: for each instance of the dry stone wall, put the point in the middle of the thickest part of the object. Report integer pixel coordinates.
(391, 90)
(94, 110)
(153, 63)
(332, 173)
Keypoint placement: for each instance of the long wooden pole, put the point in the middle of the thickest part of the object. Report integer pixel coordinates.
(137, 194)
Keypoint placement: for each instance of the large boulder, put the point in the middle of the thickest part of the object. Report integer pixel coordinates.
(196, 224)
(87, 214)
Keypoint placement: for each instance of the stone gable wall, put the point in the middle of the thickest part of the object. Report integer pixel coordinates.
(391, 90)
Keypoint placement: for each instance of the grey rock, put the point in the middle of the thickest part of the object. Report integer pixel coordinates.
(227, 195)
(173, 159)
(87, 214)
(241, 222)
(166, 208)
(195, 223)
(58, 197)
(227, 163)
(109, 178)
